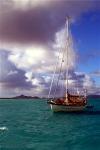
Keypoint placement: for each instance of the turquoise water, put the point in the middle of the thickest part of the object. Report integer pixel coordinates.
(30, 125)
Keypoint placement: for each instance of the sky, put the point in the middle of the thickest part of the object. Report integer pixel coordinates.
(32, 32)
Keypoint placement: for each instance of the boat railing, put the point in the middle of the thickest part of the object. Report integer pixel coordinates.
(80, 92)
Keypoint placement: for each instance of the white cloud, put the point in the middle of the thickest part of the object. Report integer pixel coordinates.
(88, 81)
(66, 48)
(30, 3)
(12, 72)
(43, 59)
(95, 73)
(23, 4)
(36, 59)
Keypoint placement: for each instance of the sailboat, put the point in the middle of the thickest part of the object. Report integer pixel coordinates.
(69, 102)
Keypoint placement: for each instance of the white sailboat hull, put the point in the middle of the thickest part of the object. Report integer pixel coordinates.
(66, 108)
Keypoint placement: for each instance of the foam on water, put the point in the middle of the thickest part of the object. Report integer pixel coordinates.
(3, 128)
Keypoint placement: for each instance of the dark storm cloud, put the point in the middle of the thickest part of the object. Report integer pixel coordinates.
(27, 26)
(37, 24)
(10, 76)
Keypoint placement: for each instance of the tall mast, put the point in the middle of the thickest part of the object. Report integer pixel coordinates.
(67, 26)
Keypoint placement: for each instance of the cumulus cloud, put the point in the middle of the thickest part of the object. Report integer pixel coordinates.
(43, 58)
(76, 80)
(10, 76)
(95, 73)
(32, 83)
(36, 60)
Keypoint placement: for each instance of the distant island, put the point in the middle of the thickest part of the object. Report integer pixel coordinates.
(36, 97)
(22, 97)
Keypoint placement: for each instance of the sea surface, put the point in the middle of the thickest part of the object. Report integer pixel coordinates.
(31, 125)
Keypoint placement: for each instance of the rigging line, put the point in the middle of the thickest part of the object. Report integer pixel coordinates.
(66, 26)
(59, 74)
(67, 73)
(67, 48)
(61, 85)
(54, 74)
